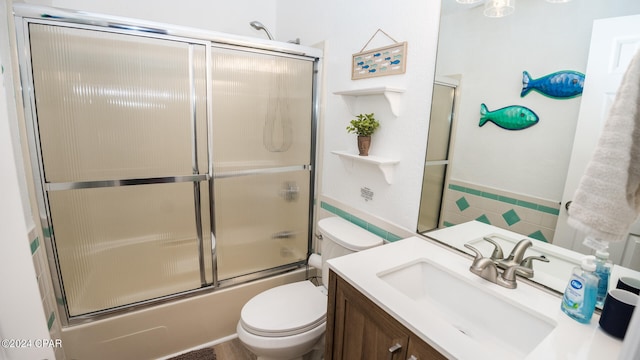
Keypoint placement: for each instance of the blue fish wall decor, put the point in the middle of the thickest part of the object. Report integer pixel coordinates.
(564, 84)
(512, 117)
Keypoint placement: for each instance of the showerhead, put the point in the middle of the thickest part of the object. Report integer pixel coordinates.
(258, 26)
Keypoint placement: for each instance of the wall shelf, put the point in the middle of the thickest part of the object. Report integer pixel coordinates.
(386, 165)
(392, 95)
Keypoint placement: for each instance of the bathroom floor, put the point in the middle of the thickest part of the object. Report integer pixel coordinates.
(229, 350)
(233, 350)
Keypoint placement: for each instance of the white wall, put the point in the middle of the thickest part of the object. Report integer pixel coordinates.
(21, 313)
(491, 54)
(225, 16)
(345, 27)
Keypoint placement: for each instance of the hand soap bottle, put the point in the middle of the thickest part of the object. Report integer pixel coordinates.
(603, 271)
(579, 300)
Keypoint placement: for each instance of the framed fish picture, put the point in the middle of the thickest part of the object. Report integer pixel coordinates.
(388, 60)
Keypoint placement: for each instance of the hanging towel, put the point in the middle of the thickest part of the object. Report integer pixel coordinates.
(607, 201)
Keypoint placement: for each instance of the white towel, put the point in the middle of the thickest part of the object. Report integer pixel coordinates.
(607, 201)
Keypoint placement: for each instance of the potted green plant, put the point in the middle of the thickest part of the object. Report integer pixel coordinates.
(364, 126)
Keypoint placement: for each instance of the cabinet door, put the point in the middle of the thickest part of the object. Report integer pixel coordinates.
(361, 330)
(419, 350)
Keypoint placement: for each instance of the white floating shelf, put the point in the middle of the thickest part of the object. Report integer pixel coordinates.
(392, 95)
(386, 165)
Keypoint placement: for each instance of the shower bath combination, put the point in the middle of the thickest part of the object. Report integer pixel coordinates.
(137, 143)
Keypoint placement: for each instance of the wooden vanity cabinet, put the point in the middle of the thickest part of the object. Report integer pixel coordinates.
(359, 329)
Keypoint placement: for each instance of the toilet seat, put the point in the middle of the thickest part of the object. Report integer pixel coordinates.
(285, 310)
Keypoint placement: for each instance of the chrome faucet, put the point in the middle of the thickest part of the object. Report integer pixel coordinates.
(529, 260)
(497, 250)
(487, 269)
(528, 263)
(516, 255)
(482, 266)
(508, 278)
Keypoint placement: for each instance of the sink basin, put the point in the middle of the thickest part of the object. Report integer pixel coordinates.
(475, 311)
(554, 273)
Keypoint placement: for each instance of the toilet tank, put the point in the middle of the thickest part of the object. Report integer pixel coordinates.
(341, 237)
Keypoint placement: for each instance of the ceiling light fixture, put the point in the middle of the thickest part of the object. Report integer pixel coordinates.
(499, 8)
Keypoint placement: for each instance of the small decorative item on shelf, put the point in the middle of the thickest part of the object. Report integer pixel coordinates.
(364, 126)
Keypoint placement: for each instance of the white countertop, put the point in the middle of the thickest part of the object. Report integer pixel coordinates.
(555, 278)
(568, 340)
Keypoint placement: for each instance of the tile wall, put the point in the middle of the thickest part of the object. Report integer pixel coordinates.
(379, 231)
(39, 256)
(533, 217)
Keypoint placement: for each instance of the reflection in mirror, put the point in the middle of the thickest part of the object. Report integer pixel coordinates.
(437, 157)
(515, 179)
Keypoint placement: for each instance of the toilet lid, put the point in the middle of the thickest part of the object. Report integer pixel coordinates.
(285, 310)
(348, 235)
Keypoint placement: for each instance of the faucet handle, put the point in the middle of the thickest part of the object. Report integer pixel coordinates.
(528, 262)
(497, 250)
(508, 277)
(482, 266)
(478, 253)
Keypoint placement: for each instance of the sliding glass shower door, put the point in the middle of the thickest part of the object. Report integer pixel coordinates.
(167, 164)
(262, 140)
(437, 157)
(122, 132)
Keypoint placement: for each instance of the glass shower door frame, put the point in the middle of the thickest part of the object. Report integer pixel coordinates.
(43, 187)
(206, 179)
(218, 175)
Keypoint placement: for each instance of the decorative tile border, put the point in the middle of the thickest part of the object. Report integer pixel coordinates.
(39, 257)
(52, 318)
(520, 213)
(34, 245)
(505, 199)
(388, 236)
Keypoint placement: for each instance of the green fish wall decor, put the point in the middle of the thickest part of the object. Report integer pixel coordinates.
(512, 117)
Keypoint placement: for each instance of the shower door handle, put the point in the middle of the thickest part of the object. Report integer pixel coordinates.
(284, 235)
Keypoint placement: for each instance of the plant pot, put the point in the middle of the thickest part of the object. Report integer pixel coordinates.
(364, 142)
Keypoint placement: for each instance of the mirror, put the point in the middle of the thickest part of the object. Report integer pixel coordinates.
(512, 179)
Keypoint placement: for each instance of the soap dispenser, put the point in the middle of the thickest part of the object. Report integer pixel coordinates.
(579, 300)
(603, 271)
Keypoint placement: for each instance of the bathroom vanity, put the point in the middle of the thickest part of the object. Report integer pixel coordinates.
(415, 299)
(357, 328)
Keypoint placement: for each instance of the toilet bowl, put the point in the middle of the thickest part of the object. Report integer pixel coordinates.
(288, 322)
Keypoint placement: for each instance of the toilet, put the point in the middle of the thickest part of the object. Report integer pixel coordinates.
(289, 321)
